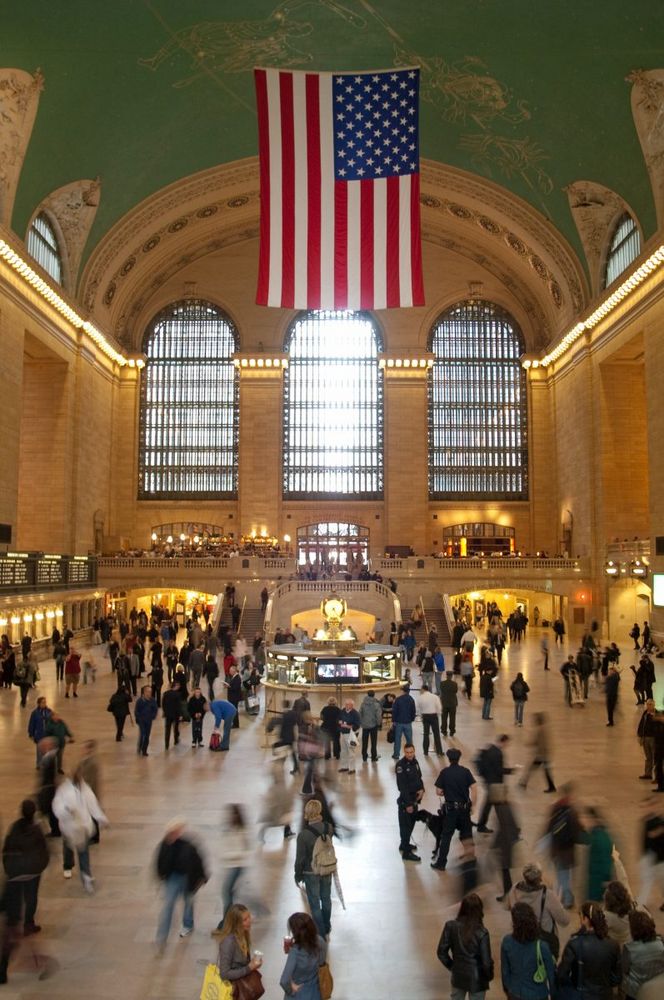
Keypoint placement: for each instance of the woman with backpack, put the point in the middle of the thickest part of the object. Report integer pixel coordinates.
(527, 968)
(315, 864)
(519, 690)
(465, 949)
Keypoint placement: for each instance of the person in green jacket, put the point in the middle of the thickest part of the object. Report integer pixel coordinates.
(59, 730)
(600, 855)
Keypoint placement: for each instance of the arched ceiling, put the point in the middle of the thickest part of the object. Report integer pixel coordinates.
(142, 93)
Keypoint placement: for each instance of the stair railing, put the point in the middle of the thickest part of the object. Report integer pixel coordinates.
(424, 615)
(449, 615)
(239, 624)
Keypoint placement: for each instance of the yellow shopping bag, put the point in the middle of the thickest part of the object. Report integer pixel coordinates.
(214, 987)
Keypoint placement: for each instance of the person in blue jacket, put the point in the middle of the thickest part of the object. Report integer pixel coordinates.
(522, 954)
(403, 716)
(145, 712)
(37, 724)
(224, 712)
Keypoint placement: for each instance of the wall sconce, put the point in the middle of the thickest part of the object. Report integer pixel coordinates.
(638, 568)
(50, 614)
(611, 569)
(15, 619)
(39, 616)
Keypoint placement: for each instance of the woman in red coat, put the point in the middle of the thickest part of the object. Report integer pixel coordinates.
(72, 672)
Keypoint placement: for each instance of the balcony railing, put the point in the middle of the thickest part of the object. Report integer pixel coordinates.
(471, 566)
(38, 572)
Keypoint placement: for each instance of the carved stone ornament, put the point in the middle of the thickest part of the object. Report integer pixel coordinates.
(73, 207)
(19, 98)
(594, 209)
(648, 113)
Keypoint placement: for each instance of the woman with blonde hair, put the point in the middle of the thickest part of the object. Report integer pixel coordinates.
(235, 959)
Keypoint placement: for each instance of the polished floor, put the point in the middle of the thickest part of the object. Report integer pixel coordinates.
(384, 943)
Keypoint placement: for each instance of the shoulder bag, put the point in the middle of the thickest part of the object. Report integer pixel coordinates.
(325, 981)
(249, 987)
(551, 937)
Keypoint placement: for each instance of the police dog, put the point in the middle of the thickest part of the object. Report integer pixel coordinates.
(433, 823)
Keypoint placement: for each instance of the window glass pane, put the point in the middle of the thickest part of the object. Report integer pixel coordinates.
(189, 404)
(333, 408)
(43, 246)
(625, 247)
(477, 406)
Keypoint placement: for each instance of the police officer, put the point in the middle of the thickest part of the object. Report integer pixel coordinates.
(411, 790)
(457, 786)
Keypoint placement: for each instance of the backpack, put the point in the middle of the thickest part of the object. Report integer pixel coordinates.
(215, 741)
(21, 670)
(519, 691)
(324, 859)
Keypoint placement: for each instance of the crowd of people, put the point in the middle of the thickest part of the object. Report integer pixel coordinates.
(200, 675)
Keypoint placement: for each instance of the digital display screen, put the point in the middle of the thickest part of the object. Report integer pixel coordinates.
(338, 671)
(658, 589)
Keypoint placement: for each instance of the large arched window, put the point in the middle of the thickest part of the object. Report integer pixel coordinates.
(189, 404)
(477, 406)
(43, 246)
(333, 408)
(625, 247)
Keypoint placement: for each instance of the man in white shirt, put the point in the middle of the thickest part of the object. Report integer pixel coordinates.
(429, 706)
(468, 640)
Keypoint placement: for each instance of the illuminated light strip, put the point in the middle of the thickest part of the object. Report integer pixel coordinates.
(642, 272)
(262, 362)
(35, 281)
(405, 363)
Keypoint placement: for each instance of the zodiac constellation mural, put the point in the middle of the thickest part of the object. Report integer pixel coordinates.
(463, 92)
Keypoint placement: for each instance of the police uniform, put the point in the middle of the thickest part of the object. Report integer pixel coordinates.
(455, 782)
(411, 788)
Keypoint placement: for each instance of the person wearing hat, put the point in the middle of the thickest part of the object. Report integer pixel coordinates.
(456, 785)
(544, 903)
(411, 791)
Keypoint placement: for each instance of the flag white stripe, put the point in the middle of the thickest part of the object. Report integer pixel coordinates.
(301, 190)
(405, 272)
(354, 253)
(380, 244)
(276, 196)
(327, 193)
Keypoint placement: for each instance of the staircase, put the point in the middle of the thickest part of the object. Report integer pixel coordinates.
(250, 623)
(436, 616)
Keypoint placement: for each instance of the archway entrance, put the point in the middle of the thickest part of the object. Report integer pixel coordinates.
(331, 545)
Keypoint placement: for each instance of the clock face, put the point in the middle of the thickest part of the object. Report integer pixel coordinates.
(334, 608)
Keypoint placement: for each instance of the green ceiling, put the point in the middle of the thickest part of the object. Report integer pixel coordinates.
(530, 93)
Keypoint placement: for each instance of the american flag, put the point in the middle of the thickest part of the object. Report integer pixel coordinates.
(339, 178)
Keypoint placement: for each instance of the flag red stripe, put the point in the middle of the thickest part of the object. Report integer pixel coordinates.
(287, 190)
(417, 278)
(313, 191)
(340, 245)
(264, 170)
(392, 262)
(367, 244)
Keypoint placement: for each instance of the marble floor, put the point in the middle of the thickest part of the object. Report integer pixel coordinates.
(384, 943)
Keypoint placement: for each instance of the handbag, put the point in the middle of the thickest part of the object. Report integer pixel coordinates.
(250, 987)
(214, 987)
(352, 739)
(325, 981)
(390, 735)
(539, 976)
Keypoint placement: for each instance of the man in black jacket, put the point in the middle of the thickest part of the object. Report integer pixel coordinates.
(491, 769)
(411, 791)
(24, 857)
(611, 690)
(171, 706)
(182, 870)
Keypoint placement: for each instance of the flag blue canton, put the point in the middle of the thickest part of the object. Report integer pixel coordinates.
(375, 124)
